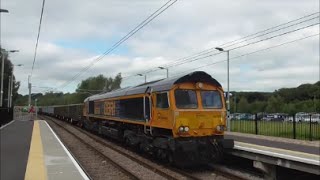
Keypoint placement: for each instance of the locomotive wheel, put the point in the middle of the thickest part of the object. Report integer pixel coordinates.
(170, 158)
(127, 141)
(160, 154)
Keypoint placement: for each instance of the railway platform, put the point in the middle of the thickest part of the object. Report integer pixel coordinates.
(31, 150)
(302, 146)
(267, 153)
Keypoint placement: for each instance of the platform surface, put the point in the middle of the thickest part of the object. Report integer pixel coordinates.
(15, 145)
(31, 150)
(279, 143)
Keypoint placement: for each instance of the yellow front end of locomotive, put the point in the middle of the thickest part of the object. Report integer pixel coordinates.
(205, 123)
(199, 110)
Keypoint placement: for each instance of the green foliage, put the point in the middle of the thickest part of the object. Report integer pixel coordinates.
(8, 69)
(304, 98)
(88, 87)
(243, 105)
(99, 84)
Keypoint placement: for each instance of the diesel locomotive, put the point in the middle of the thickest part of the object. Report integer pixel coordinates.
(179, 119)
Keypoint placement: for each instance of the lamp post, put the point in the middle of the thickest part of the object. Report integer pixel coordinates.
(3, 54)
(228, 90)
(36, 108)
(2, 64)
(29, 87)
(9, 87)
(165, 69)
(145, 77)
(11, 84)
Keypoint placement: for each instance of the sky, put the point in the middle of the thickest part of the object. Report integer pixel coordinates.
(76, 32)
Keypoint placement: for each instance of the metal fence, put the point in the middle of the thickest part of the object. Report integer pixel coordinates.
(289, 127)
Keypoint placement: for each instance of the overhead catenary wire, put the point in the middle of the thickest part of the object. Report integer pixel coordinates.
(268, 29)
(234, 42)
(247, 54)
(249, 36)
(244, 40)
(255, 42)
(198, 57)
(38, 36)
(131, 33)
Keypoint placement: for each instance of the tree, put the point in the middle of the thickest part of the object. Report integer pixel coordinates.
(112, 84)
(100, 84)
(243, 105)
(257, 106)
(275, 104)
(87, 87)
(8, 71)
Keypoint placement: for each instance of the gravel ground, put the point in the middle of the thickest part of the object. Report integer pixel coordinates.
(132, 166)
(277, 139)
(95, 165)
(140, 171)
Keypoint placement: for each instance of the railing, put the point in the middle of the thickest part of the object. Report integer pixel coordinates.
(289, 127)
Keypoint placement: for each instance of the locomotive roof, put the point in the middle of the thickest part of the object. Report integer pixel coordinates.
(156, 86)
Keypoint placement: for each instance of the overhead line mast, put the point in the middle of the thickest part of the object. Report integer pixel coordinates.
(35, 53)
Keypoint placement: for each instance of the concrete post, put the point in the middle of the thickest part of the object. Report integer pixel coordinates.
(11, 90)
(29, 86)
(9, 85)
(2, 74)
(228, 97)
(36, 108)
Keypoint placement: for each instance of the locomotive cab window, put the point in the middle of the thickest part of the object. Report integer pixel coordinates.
(162, 100)
(186, 99)
(211, 99)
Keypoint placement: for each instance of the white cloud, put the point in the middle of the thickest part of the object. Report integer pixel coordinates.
(185, 28)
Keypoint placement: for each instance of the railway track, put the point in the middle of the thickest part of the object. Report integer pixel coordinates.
(167, 172)
(92, 148)
(157, 169)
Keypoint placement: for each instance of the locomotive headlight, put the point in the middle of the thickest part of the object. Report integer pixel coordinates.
(199, 85)
(183, 129)
(220, 128)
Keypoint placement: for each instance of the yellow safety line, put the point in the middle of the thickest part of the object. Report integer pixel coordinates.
(277, 150)
(36, 168)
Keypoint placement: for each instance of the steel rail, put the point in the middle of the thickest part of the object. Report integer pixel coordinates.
(144, 164)
(114, 163)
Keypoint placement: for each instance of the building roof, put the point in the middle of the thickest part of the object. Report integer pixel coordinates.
(157, 86)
